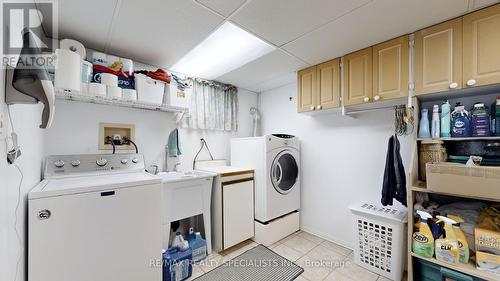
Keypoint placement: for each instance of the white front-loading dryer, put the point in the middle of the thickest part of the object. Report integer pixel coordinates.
(276, 161)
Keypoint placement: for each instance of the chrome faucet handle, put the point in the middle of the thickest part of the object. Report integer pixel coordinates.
(176, 167)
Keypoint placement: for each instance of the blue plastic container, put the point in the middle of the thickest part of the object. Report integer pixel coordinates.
(177, 264)
(198, 245)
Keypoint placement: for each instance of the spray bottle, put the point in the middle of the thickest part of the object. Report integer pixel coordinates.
(445, 119)
(463, 245)
(447, 248)
(423, 242)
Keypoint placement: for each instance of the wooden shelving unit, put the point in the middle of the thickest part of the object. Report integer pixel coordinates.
(416, 186)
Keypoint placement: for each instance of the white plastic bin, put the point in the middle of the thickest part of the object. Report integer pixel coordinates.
(380, 243)
(175, 97)
(149, 90)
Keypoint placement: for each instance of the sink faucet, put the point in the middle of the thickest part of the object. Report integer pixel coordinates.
(176, 167)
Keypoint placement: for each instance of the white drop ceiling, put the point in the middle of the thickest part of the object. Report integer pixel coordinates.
(305, 32)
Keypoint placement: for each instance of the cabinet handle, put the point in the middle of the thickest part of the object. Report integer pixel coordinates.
(312, 107)
(471, 82)
(376, 98)
(366, 99)
(453, 85)
(318, 107)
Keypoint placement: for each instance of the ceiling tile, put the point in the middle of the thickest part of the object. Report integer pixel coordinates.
(272, 65)
(160, 32)
(371, 24)
(275, 82)
(224, 7)
(477, 4)
(86, 21)
(281, 21)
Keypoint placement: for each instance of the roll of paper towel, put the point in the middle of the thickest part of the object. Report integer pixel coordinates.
(97, 89)
(129, 94)
(68, 70)
(109, 79)
(114, 91)
(74, 46)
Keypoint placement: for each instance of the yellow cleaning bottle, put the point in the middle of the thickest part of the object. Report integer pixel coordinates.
(447, 248)
(423, 242)
(463, 246)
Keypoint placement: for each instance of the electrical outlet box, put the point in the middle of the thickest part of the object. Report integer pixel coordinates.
(116, 130)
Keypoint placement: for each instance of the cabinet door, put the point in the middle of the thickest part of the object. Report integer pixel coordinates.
(481, 54)
(358, 77)
(237, 212)
(328, 84)
(307, 89)
(390, 69)
(438, 58)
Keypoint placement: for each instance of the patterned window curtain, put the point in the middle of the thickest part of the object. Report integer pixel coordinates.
(214, 106)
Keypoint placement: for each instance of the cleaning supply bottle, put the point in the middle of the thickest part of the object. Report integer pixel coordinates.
(198, 245)
(460, 122)
(497, 117)
(445, 119)
(463, 245)
(480, 121)
(179, 242)
(423, 130)
(423, 242)
(447, 247)
(435, 127)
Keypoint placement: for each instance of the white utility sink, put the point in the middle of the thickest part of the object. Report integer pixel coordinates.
(183, 176)
(186, 194)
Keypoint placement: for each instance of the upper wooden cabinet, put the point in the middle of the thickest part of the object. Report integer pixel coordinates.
(328, 85)
(307, 89)
(319, 87)
(358, 77)
(438, 58)
(390, 69)
(481, 49)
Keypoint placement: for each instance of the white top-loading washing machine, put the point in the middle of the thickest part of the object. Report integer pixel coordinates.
(276, 161)
(95, 217)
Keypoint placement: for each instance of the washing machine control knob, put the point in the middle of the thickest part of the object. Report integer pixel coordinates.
(124, 161)
(75, 163)
(101, 162)
(59, 163)
(135, 160)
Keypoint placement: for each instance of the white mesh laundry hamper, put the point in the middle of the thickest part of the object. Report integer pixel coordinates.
(380, 239)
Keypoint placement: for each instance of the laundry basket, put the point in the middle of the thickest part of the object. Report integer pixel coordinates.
(379, 244)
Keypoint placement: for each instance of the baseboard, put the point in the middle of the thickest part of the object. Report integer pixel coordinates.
(327, 237)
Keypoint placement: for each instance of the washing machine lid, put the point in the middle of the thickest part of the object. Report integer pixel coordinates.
(284, 171)
(75, 185)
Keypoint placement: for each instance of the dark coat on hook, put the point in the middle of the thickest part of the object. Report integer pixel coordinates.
(394, 186)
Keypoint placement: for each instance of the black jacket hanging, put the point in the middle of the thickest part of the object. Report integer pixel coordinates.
(394, 186)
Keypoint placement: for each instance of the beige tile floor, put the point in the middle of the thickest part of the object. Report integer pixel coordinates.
(306, 250)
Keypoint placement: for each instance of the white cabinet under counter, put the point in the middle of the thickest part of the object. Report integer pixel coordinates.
(232, 206)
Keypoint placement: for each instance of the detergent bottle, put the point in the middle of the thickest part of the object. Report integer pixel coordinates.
(463, 246)
(447, 247)
(423, 242)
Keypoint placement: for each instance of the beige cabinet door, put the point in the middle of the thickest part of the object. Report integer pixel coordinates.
(438, 58)
(238, 212)
(328, 84)
(390, 69)
(481, 50)
(306, 89)
(358, 77)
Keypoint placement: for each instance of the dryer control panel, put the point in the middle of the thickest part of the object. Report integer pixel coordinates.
(91, 164)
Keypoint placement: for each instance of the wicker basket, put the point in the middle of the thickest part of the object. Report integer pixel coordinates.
(430, 151)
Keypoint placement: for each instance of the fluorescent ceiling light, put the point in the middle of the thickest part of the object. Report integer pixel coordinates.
(228, 48)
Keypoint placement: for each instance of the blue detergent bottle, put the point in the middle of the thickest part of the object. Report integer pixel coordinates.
(460, 122)
(198, 245)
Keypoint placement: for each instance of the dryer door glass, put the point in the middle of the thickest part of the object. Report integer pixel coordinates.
(284, 172)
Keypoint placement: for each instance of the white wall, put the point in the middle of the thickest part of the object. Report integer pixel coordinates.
(342, 160)
(76, 128)
(26, 119)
